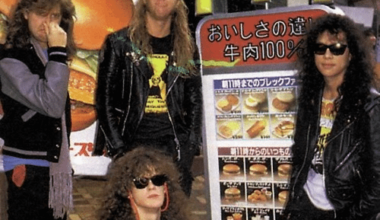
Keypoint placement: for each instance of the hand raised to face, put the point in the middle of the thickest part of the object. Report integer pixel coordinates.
(56, 36)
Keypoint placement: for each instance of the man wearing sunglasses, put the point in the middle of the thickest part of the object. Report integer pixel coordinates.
(144, 184)
(336, 151)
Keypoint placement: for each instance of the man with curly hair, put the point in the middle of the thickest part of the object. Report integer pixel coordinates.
(143, 184)
(336, 151)
(149, 86)
(35, 126)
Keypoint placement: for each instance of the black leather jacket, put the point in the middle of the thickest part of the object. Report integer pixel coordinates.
(351, 160)
(122, 94)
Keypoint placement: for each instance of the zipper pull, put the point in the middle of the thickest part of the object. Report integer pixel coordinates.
(178, 149)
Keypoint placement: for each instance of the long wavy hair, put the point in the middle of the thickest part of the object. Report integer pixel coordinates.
(357, 80)
(183, 44)
(138, 162)
(18, 32)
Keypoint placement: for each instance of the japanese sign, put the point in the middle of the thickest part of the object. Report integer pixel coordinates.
(250, 96)
(250, 40)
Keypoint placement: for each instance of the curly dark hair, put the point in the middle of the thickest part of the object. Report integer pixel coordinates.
(18, 30)
(358, 78)
(136, 163)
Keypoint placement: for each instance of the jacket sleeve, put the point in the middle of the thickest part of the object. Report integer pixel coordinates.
(369, 204)
(194, 106)
(45, 96)
(106, 97)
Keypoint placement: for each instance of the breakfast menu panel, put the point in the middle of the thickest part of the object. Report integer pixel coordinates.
(253, 181)
(255, 108)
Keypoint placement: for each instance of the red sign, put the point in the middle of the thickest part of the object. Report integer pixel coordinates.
(257, 39)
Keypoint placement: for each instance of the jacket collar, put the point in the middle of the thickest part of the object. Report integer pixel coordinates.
(39, 51)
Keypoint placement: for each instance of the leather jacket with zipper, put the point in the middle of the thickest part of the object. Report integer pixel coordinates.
(351, 159)
(122, 93)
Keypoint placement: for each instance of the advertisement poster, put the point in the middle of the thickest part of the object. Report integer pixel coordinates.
(250, 96)
(94, 21)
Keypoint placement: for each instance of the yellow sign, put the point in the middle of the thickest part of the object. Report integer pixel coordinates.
(203, 7)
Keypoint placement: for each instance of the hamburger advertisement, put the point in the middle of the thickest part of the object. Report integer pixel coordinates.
(232, 193)
(231, 168)
(281, 194)
(94, 21)
(282, 169)
(259, 169)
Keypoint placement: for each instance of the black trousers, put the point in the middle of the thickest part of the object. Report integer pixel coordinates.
(167, 145)
(307, 211)
(30, 201)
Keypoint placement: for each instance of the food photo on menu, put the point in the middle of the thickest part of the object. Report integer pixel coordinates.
(231, 168)
(258, 168)
(260, 194)
(228, 102)
(229, 127)
(282, 125)
(282, 100)
(232, 193)
(260, 214)
(254, 101)
(233, 213)
(281, 191)
(282, 169)
(256, 126)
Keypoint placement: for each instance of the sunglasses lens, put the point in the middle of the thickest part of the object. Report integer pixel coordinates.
(159, 180)
(141, 183)
(338, 50)
(320, 49)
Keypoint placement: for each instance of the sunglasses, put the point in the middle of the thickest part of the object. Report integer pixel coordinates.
(335, 49)
(157, 180)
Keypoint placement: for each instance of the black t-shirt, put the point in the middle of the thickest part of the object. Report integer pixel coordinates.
(155, 122)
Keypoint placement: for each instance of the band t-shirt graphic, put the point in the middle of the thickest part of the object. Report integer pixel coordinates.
(314, 186)
(326, 123)
(157, 96)
(155, 122)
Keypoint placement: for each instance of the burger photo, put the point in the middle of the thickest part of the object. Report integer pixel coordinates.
(258, 170)
(231, 169)
(232, 194)
(283, 170)
(94, 21)
(283, 196)
(283, 101)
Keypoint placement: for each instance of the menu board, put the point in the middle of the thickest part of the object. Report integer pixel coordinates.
(250, 92)
(254, 126)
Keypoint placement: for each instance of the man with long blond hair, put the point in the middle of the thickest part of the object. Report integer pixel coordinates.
(35, 125)
(149, 86)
